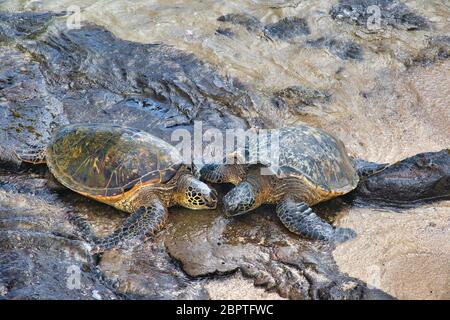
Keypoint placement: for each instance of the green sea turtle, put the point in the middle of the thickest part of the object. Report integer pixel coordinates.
(126, 168)
(313, 166)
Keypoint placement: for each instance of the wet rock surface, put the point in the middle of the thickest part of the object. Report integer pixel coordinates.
(52, 76)
(344, 49)
(287, 28)
(148, 272)
(24, 25)
(300, 98)
(40, 256)
(29, 110)
(250, 22)
(389, 12)
(438, 49)
(261, 249)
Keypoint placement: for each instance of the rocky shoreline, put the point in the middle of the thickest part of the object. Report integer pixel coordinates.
(51, 76)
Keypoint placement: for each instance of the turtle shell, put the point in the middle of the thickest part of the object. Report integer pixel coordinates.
(100, 160)
(308, 152)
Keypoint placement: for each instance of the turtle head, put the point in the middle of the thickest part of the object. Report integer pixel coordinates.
(194, 194)
(241, 199)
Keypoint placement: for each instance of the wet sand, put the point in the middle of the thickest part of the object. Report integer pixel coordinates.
(406, 254)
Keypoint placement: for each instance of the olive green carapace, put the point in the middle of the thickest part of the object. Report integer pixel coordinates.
(318, 156)
(106, 161)
(128, 169)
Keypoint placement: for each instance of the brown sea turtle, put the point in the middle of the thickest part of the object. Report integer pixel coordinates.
(126, 168)
(313, 166)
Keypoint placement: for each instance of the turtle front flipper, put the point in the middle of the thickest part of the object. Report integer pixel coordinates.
(299, 218)
(82, 226)
(146, 220)
(223, 173)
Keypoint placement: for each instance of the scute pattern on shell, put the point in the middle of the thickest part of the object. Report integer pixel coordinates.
(108, 160)
(313, 153)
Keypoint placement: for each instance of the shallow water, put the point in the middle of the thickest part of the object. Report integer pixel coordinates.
(388, 100)
(392, 112)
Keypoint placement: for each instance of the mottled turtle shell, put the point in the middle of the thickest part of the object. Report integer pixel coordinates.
(313, 154)
(100, 160)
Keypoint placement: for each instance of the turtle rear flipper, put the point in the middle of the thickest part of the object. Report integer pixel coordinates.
(146, 220)
(34, 154)
(12, 159)
(299, 218)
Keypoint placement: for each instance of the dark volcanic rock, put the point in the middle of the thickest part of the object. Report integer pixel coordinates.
(392, 12)
(225, 32)
(40, 258)
(163, 75)
(30, 111)
(287, 28)
(347, 50)
(26, 24)
(419, 178)
(148, 272)
(9, 159)
(438, 49)
(298, 98)
(250, 22)
(259, 246)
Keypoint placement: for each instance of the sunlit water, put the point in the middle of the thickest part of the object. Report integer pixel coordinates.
(381, 109)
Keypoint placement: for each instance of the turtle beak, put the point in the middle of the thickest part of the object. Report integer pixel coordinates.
(232, 211)
(229, 209)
